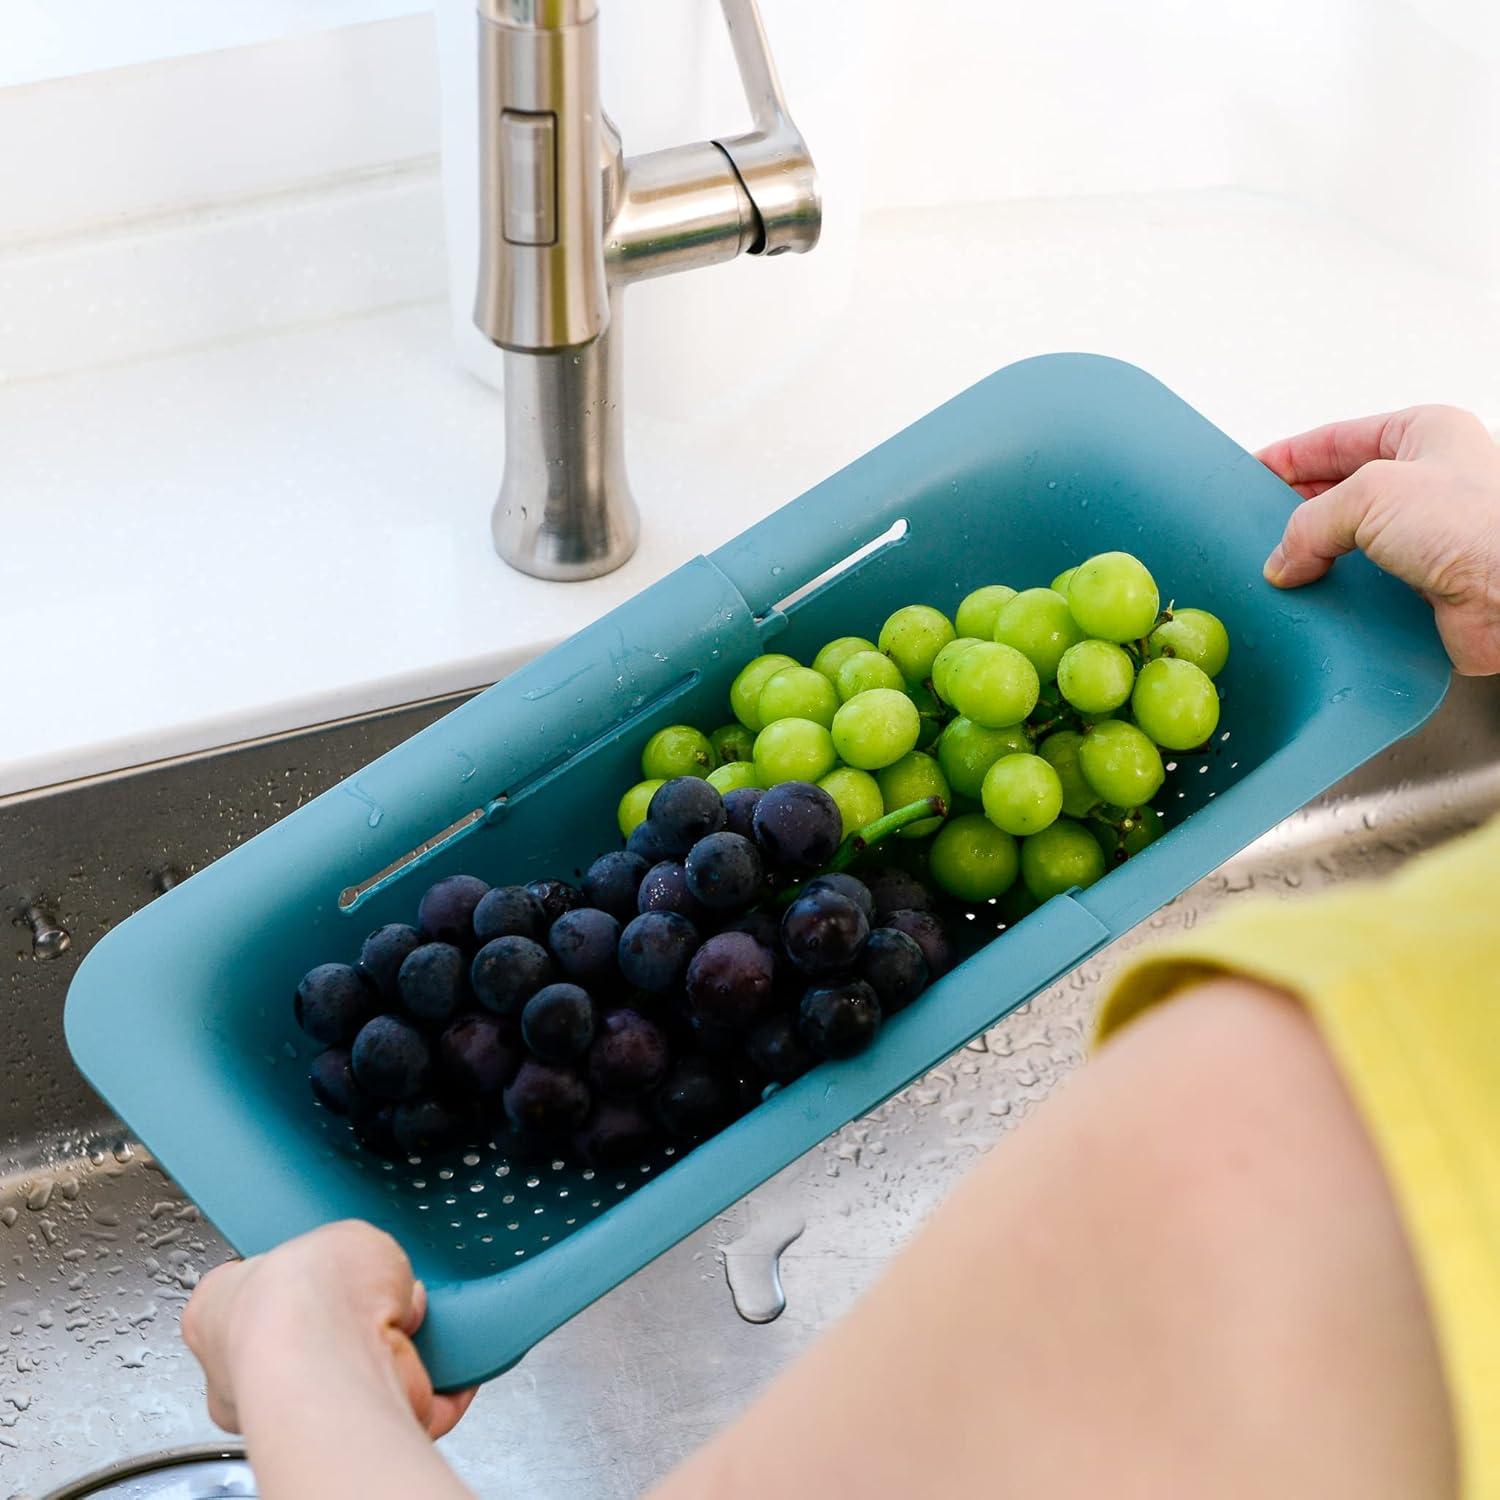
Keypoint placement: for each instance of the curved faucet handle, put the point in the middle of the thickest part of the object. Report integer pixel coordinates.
(771, 159)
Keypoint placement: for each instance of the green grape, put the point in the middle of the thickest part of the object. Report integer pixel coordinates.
(677, 750)
(797, 693)
(1135, 828)
(1059, 585)
(932, 711)
(858, 796)
(993, 684)
(1120, 763)
(1037, 623)
(1015, 905)
(1059, 858)
(732, 775)
(976, 615)
(744, 691)
(943, 663)
(634, 803)
(914, 775)
(912, 638)
(972, 859)
(1143, 829)
(865, 670)
(1175, 703)
(1113, 597)
(967, 750)
(837, 652)
(876, 728)
(1060, 751)
(793, 750)
(1021, 794)
(732, 742)
(1095, 676)
(1193, 635)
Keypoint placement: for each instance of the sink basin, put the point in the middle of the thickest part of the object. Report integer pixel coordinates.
(99, 1249)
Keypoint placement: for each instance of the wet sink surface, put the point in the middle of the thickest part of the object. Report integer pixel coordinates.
(99, 1250)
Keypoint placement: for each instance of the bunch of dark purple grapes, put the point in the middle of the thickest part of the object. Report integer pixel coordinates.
(703, 963)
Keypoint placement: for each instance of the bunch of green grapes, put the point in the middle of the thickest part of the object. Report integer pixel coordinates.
(1039, 718)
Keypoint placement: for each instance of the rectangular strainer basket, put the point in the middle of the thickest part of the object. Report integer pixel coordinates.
(182, 1019)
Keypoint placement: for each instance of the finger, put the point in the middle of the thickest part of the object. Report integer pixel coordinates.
(1472, 639)
(448, 1411)
(1313, 490)
(1329, 453)
(416, 1310)
(1321, 530)
(222, 1412)
(203, 1317)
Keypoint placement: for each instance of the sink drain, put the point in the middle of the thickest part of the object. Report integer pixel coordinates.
(207, 1473)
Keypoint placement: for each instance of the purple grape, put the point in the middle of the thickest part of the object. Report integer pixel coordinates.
(665, 888)
(630, 1055)
(382, 955)
(545, 1101)
(614, 1135)
(724, 872)
(930, 937)
(655, 949)
(739, 810)
(797, 826)
(895, 890)
(479, 1055)
(613, 880)
(694, 1101)
(508, 971)
(332, 1002)
(390, 1059)
(683, 811)
(558, 1023)
(446, 913)
(508, 911)
(839, 1020)
(845, 885)
(894, 966)
(776, 1049)
(762, 925)
(424, 1125)
(647, 842)
(823, 932)
(721, 1043)
(730, 981)
(556, 897)
(332, 1077)
(584, 942)
(746, 1088)
(433, 982)
(373, 1129)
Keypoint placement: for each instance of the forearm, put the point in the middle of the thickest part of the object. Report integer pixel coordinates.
(1184, 1277)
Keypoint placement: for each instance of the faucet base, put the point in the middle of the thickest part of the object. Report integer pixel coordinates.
(565, 510)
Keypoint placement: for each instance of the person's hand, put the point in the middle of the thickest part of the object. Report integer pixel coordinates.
(334, 1309)
(1417, 491)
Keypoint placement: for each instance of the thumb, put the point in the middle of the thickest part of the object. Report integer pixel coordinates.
(1322, 529)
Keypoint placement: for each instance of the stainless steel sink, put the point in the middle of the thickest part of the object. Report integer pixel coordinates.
(99, 1249)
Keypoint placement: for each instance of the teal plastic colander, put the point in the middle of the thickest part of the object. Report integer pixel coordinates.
(182, 1019)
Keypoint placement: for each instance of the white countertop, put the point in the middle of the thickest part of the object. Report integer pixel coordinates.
(278, 531)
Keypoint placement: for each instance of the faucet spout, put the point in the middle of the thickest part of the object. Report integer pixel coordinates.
(567, 223)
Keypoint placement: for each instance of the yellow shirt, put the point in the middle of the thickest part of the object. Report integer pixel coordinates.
(1403, 979)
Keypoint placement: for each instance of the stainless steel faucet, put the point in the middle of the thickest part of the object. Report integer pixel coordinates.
(567, 223)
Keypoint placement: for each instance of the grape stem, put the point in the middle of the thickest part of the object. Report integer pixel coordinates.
(882, 828)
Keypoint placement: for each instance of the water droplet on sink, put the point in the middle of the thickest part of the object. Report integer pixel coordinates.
(752, 1266)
